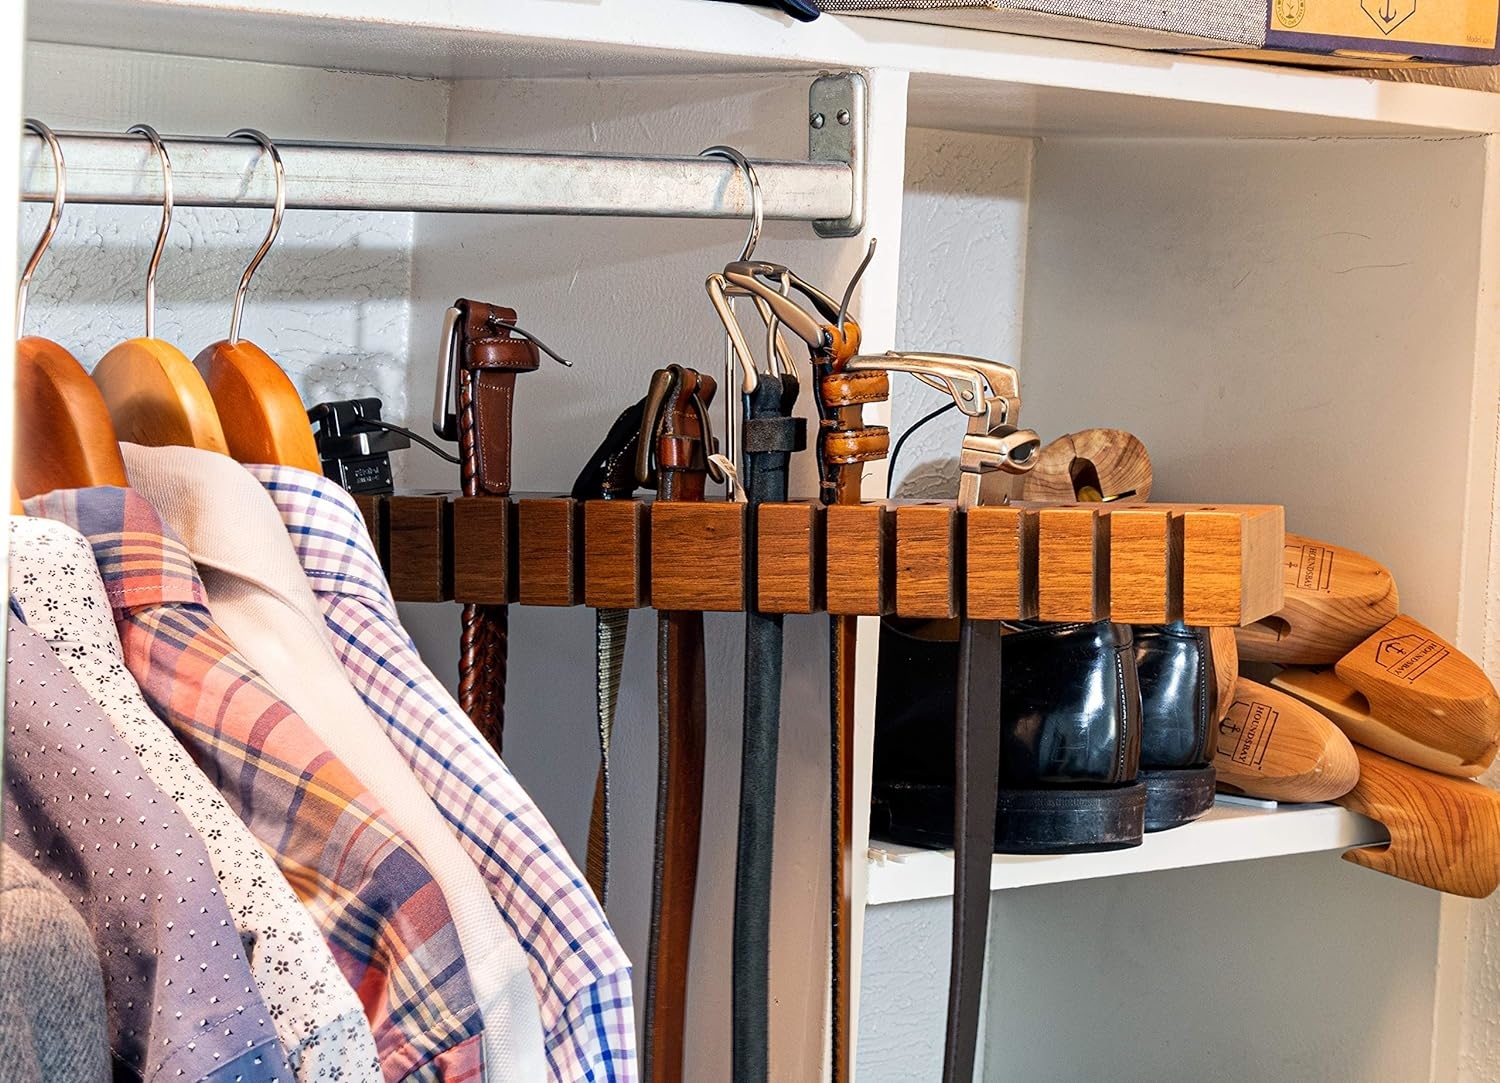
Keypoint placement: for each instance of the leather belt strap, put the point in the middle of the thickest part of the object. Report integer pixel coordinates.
(975, 795)
(844, 442)
(608, 475)
(489, 356)
(680, 437)
(771, 435)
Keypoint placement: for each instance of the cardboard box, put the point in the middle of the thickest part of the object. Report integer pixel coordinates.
(1318, 33)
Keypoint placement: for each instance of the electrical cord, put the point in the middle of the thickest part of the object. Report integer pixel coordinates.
(428, 444)
(896, 451)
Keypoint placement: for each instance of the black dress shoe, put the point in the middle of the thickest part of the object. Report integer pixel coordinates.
(1070, 718)
(1179, 709)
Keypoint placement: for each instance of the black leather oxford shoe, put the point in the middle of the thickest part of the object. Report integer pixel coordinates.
(1070, 718)
(1179, 712)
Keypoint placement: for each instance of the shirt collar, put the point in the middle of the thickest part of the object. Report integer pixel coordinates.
(140, 560)
(329, 534)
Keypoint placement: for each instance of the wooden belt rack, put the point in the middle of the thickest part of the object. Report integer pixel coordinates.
(1134, 563)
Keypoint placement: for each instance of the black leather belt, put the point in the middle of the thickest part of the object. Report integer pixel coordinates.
(771, 435)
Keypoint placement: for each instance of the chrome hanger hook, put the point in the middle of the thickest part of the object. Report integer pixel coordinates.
(757, 201)
(59, 200)
(276, 215)
(166, 221)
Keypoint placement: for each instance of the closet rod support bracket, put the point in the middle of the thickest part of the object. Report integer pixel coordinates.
(837, 125)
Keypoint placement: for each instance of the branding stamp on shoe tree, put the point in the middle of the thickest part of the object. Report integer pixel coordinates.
(1335, 599)
(1428, 692)
(1277, 748)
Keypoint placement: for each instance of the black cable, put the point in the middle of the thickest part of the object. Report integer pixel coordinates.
(428, 444)
(896, 451)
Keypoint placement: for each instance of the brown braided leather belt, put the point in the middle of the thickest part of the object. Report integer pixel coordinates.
(489, 356)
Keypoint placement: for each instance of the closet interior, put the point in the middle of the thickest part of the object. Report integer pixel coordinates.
(1281, 281)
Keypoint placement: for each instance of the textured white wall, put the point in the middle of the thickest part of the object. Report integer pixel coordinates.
(330, 303)
(963, 262)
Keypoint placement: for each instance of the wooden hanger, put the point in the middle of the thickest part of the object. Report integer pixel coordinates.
(262, 415)
(63, 436)
(153, 392)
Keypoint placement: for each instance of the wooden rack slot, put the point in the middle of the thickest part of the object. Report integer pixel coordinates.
(928, 561)
(1145, 564)
(418, 545)
(1072, 563)
(860, 564)
(483, 557)
(1228, 577)
(1000, 558)
(550, 550)
(698, 556)
(789, 558)
(616, 554)
(1134, 563)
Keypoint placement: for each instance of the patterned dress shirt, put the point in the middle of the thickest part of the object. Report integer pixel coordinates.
(582, 975)
(377, 906)
(318, 1018)
(181, 1002)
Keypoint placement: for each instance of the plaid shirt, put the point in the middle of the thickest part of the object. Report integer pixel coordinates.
(384, 918)
(581, 974)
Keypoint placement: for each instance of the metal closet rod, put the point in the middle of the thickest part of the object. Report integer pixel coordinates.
(121, 169)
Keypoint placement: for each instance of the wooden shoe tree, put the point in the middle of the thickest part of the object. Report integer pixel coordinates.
(1226, 666)
(1445, 832)
(1089, 466)
(1335, 598)
(1426, 690)
(1274, 747)
(1320, 687)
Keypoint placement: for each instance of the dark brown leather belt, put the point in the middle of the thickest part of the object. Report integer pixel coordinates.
(676, 432)
(989, 394)
(845, 443)
(489, 356)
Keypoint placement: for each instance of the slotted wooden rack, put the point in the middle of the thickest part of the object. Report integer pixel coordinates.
(1134, 563)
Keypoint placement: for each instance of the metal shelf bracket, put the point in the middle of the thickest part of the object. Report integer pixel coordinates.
(837, 127)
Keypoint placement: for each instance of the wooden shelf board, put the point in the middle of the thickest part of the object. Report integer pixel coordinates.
(1229, 832)
(961, 79)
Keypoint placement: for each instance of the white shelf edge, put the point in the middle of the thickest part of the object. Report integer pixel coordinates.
(1228, 833)
(480, 38)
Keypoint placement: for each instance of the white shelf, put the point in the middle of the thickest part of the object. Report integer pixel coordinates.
(1229, 832)
(960, 79)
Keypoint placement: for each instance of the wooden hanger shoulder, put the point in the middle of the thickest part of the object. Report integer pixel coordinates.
(262, 415)
(1445, 832)
(1334, 598)
(156, 397)
(1274, 747)
(63, 436)
(1427, 690)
